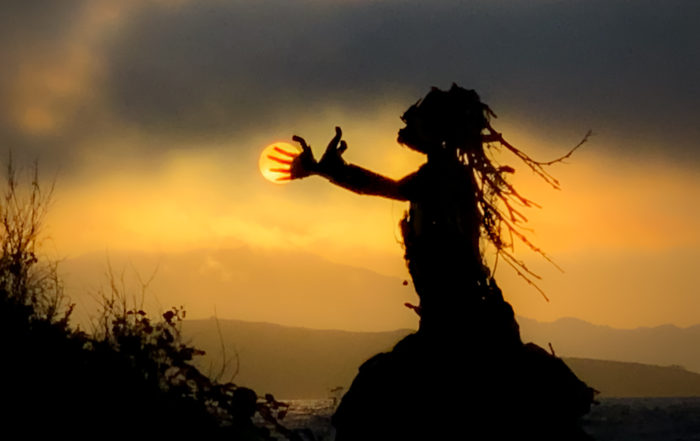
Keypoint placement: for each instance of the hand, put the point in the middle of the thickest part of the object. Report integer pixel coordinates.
(332, 160)
(294, 165)
(303, 164)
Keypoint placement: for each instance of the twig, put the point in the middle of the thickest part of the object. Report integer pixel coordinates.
(588, 134)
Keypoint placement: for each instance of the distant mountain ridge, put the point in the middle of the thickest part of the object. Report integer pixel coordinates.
(662, 345)
(290, 362)
(307, 363)
(272, 286)
(282, 286)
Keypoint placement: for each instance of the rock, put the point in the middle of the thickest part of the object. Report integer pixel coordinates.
(464, 385)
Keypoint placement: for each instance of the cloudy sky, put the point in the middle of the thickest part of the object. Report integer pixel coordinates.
(151, 116)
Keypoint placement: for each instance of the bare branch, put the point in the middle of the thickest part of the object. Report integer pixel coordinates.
(582, 142)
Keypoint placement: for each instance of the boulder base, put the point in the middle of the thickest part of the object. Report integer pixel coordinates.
(464, 385)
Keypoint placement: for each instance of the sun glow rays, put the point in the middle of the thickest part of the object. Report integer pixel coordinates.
(276, 160)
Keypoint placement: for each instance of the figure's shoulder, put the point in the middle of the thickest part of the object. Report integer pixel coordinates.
(410, 185)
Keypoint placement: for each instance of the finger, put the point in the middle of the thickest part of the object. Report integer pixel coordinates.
(284, 152)
(342, 148)
(281, 170)
(284, 178)
(301, 141)
(334, 142)
(281, 161)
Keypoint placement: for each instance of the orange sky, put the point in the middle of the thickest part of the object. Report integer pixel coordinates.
(152, 116)
(625, 234)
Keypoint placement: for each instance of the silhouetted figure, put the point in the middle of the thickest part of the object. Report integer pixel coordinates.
(465, 373)
(449, 210)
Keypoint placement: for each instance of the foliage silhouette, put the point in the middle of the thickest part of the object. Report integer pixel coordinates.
(132, 377)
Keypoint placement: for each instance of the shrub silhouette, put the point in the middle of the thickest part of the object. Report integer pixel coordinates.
(133, 377)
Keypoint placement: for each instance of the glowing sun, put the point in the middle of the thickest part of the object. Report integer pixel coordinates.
(275, 161)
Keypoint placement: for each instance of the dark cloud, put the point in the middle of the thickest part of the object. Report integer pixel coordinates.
(34, 33)
(627, 67)
(38, 21)
(207, 69)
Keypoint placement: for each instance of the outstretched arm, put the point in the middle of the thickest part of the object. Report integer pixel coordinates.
(363, 181)
(335, 169)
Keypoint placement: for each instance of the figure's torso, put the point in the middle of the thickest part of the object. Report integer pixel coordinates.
(443, 213)
(441, 237)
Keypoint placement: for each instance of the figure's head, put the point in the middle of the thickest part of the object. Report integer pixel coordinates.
(453, 118)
